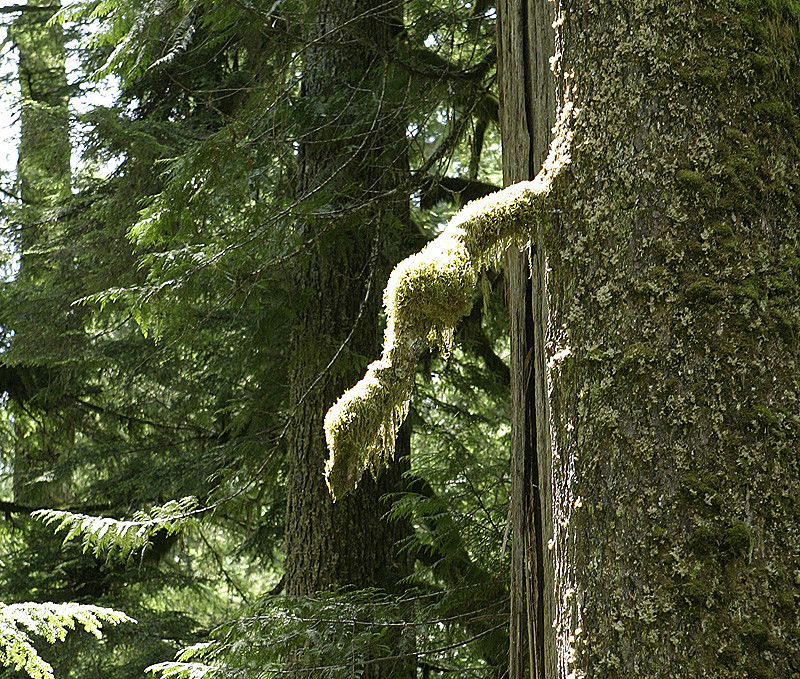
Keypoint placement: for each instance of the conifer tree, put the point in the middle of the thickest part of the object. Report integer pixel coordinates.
(43, 181)
(243, 161)
(353, 167)
(668, 213)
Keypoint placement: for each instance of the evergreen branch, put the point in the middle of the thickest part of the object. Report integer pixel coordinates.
(335, 631)
(48, 620)
(104, 410)
(453, 190)
(10, 9)
(182, 670)
(183, 667)
(479, 344)
(17, 508)
(118, 537)
(222, 569)
(11, 195)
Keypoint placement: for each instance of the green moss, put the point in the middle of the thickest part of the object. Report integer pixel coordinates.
(784, 601)
(433, 288)
(785, 323)
(636, 358)
(775, 111)
(698, 590)
(703, 491)
(789, 8)
(427, 294)
(701, 585)
(737, 540)
(695, 221)
(704, 540)
(729, 654)
(763, 416)
(784, 283)
(748, 291)
(759, 670)
(704, 290)
(691, 181)
(754, 634)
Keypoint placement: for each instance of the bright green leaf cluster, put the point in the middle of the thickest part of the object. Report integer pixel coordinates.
(51, 621)
(121, 538)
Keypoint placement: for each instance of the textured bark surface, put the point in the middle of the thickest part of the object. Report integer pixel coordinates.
(351, 160)
(527, 95)
(674, 311)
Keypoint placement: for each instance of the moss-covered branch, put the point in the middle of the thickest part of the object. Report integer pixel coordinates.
(428, 293)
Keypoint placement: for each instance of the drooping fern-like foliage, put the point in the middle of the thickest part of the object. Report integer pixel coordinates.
(341, 634)
(186, 665)
(118, 538)
(50, 621)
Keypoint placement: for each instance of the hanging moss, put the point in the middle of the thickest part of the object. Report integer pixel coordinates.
(427, 294)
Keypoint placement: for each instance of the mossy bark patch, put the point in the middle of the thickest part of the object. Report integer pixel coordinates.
(676, 412)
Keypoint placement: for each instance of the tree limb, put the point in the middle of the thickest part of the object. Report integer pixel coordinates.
(427, 294)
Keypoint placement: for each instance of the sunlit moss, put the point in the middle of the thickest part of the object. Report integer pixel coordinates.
(426, 296)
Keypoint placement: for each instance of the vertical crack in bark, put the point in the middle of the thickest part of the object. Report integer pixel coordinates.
(526, 46)
(534, 543)
(534, 554)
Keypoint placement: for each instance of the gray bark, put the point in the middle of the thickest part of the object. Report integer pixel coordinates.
(673, 306)
(527, 96)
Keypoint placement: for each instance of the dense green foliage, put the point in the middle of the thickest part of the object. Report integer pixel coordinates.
(143, 356)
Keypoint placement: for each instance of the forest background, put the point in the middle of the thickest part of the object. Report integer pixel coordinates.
(207, 202)
(184, 301)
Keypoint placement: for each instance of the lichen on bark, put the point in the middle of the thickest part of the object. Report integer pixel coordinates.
(427, 294)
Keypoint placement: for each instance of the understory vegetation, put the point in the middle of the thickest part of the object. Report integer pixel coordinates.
(152, 231)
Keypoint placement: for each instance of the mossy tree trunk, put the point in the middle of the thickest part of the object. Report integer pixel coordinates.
(673, 313)
(352, 161)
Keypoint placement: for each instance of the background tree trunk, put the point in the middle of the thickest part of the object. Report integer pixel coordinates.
(527, 97)
(673, 316)
(43, 177)
(353, 160)
(43, 167)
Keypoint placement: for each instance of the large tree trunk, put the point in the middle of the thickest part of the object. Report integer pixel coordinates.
(352, 161)
(673, 311)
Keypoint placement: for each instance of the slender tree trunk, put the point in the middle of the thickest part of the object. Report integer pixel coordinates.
(527, 91)
(43, 168)
(352, 161)
(672, 295)
(43, 177)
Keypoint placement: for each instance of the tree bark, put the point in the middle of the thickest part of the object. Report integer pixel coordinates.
(673, 310)
(351, 162)
(43, 168)
(527, 96)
